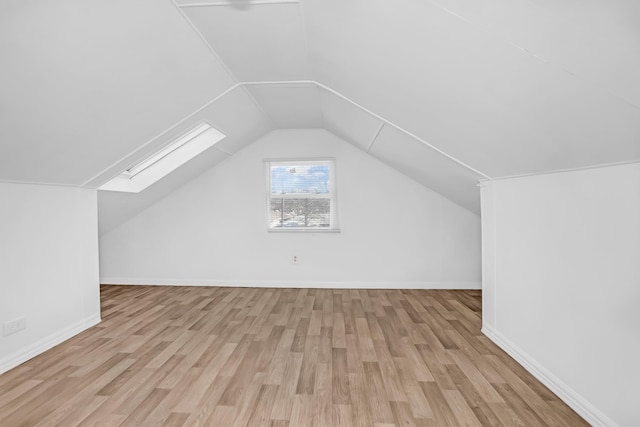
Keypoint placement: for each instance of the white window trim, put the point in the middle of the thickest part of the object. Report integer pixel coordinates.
(334, 225)
(165, 160)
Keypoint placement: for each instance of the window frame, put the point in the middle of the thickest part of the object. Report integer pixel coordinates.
(165, 159)
(332, 195)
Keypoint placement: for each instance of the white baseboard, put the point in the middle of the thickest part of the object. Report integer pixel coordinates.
(46, 343)
(578, 403)
(290, 283)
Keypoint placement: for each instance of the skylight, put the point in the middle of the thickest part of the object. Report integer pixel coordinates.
(161, 163)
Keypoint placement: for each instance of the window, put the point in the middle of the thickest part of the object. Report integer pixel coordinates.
(301, 195)
(161, 163)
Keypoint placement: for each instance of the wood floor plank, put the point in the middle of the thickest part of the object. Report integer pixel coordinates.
(197, 356)
(302, 412)
(380, 407)
(322, 404)
(284, 400)
(419, 405)
(461, 409)
(361, 412)
(176, 419)
(392, 382)
(261, 415)
(480, 407)
(249, 400)
(14, 393)
(275, 371)
(341, 416)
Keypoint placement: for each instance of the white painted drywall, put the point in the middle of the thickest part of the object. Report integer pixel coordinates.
(48, 266)
(84, 92)
(395, 232)
(562, 280)
(507, 87)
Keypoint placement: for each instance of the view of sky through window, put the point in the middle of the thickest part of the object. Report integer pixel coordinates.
(300, 179)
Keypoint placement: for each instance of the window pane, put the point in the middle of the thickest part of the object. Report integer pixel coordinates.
(300, 179)
(300, 212)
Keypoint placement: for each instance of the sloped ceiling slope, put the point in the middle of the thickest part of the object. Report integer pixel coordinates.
(84, 84)
(233, 114)
(403, 151)
(450, 91)
(447, 91)
(508, 87)
(258, 41)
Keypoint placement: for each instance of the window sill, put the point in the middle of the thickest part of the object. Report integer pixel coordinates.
(304, 230)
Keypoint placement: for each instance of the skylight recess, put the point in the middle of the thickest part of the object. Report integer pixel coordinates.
(161, 163)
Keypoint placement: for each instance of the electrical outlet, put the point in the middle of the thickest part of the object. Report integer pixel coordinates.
(14, 326)
(295, 259)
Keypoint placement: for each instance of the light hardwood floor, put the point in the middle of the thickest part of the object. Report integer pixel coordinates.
(186, 356)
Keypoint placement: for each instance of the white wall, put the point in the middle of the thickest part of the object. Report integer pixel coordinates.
(48, 266)
(395, 232)
(562, 284)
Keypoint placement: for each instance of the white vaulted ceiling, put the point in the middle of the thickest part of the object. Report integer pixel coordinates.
(447, 91)
(261, 41)
(509, 87)
(85, 83)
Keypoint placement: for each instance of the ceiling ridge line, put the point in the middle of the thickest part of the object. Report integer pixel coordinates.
(307, 43)
(242, 2)
(222, 63)
(279, 82)
(164, 132)
(377, 116)
(204, 40)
